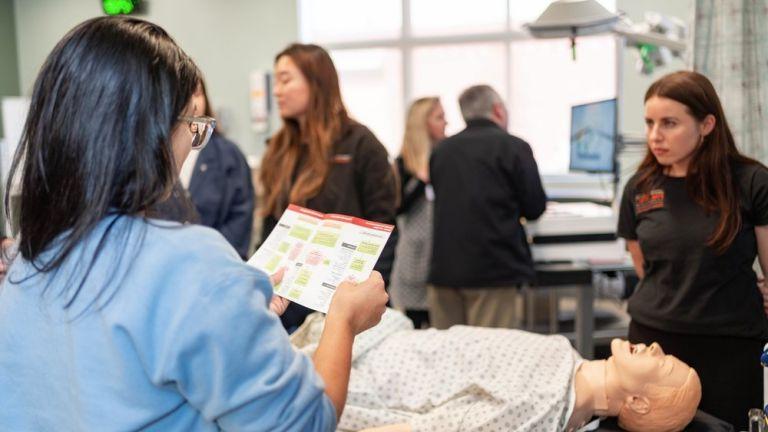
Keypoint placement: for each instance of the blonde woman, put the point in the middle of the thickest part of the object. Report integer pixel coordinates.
(425, 127)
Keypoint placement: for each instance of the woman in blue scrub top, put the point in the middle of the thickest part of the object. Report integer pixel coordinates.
(111, 320)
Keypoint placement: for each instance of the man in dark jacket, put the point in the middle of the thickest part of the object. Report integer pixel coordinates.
(484, 180)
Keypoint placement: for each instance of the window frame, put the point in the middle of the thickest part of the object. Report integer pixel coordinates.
(407, 42)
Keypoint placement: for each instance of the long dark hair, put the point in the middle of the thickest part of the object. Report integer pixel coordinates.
(208, 112)
(326, 116)
(710, 179)
(97, 139)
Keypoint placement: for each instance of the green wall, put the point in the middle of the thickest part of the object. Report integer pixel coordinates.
(9, 64)
(227, 39)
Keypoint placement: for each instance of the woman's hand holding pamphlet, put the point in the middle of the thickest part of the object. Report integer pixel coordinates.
(318, 252)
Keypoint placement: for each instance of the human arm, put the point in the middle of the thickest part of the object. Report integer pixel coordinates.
(278, 304)
(761, 234)
(637, 257)
(354, 309)
(375, 183)
(627, 224)
(758, 199)
(230, 359)
(237, 224)
(375, 180)
(412, 187)
(527, 181)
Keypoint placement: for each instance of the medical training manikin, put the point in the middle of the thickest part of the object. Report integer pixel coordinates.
(472, 378)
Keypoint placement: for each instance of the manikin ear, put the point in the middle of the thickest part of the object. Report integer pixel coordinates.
(638, 404)
(707, 125)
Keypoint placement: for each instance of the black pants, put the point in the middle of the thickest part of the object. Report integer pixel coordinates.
(729, 369)
(420, 318)
(294, 316)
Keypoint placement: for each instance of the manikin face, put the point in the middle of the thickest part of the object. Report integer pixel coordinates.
(436, 123)
(673, 134)
(291, 89)
(637, 365)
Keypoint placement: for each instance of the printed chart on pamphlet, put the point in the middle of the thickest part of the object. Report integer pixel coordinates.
(319, 251)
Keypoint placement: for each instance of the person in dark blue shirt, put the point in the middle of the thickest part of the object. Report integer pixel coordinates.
(218, 181)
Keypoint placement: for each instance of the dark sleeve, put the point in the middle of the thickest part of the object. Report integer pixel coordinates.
(759, 196)
(432, 160)
(411, 188)
(387, 258)
(375, 181)
(527, 182)
(267, 225)
(627, 216)
(238, 221)
(376, 185)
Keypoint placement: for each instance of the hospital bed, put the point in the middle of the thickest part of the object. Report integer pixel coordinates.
(703, 422)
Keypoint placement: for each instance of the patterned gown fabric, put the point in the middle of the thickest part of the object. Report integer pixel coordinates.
(461, 379)
(414, 251)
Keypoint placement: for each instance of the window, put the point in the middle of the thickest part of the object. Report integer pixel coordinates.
(327, 21)
(372, 89)
(457, 17)
(390, 52)
(446, 70)
(547, 82)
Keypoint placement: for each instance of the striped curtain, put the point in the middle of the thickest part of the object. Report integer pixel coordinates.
(730, 47)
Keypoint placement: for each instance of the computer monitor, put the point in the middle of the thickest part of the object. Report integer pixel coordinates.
(593, 137)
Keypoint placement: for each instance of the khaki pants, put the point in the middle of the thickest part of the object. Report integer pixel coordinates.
(482, 307)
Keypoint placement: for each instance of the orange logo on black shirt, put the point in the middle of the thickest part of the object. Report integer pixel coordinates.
(649, 201)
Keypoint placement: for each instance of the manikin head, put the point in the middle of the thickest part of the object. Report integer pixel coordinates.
(650, 390)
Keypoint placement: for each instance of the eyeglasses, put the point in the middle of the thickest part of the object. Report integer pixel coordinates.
(201, 128)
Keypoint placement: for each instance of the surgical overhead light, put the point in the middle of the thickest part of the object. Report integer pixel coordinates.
(572, 18)
(658, 38)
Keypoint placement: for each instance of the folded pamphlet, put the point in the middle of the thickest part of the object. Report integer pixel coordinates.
(319, 251)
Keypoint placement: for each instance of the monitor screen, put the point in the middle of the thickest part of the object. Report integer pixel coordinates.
(593, 136)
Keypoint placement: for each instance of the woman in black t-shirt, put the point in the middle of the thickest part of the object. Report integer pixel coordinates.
(695, 216)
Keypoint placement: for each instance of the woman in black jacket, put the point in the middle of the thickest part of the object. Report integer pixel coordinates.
(321, 158)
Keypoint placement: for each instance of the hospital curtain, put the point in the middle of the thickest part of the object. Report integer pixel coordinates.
(730, 47)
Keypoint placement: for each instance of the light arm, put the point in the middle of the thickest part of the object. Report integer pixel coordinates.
(761, 234)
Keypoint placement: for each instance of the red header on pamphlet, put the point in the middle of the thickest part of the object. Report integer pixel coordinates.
(343, 218)
(306, 211)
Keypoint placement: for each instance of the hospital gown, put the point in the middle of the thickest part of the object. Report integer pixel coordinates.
(461, 379)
